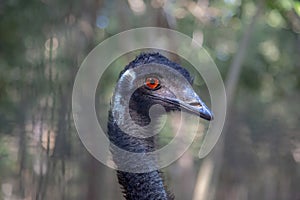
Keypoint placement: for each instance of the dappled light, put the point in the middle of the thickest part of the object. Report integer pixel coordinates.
(137, 6)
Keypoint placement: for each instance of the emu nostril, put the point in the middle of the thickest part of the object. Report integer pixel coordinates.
(197, 104)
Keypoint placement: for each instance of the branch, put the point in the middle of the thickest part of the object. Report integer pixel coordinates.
(209, 172)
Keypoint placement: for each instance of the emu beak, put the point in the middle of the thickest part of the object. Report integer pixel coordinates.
(190, 102)
(198, 108)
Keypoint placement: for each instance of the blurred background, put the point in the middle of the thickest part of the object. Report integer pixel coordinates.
(255, 44)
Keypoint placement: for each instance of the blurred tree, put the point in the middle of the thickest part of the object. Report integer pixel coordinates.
(42, 44)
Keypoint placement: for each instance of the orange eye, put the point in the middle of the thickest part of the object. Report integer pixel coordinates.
(152, 83)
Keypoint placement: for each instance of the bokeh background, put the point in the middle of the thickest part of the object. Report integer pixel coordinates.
(255, 44)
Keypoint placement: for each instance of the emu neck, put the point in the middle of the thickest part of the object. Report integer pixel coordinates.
(136, 186)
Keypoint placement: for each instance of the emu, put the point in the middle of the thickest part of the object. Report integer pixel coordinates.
(151, 85)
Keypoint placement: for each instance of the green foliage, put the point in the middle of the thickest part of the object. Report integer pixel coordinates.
(6, 162)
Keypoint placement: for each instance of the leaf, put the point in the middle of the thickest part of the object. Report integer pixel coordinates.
(297, 7)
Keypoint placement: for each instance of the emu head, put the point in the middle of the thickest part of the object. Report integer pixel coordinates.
(151, 80)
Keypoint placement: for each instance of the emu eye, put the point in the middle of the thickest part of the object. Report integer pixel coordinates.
(152, 83)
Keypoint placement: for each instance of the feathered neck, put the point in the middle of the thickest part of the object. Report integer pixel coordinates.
(136, 186)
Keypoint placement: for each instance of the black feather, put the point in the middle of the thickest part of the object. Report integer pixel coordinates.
(147, 58)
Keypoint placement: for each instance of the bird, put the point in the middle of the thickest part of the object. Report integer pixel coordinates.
(144, 82)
